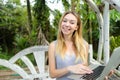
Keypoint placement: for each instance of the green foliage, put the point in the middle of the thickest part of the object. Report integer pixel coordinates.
(6, 39)
(91, 15)
(114, 23)
(41, 13)
(32, 38)
(24, 40)
(20, 63)
(66, 4)
(97, 2)
(12, 21)
(114, 42)
(21, 41)
(114, 27)
(14, 1)
(4, 56)
(115, 15)
(57, 16)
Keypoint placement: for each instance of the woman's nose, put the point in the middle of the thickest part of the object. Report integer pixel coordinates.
(67, 24)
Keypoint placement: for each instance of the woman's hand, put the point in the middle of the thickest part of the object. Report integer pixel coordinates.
(79, 69)
(110, 74)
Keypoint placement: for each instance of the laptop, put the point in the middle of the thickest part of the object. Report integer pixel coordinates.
(100, 71)
(96, 73)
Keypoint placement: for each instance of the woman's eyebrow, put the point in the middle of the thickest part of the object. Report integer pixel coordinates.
(69, 19)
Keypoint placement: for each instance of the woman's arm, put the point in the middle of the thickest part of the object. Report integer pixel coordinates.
(54, 73)
(87, 51)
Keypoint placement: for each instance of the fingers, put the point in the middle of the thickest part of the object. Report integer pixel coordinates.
(87, 69)
(109, 75)
(106, 78)
(80, 69)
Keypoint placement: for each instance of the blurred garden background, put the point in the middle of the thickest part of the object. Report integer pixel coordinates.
(36, 23)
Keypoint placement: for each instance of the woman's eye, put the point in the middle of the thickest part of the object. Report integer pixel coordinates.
(64, 20)
(72, 22)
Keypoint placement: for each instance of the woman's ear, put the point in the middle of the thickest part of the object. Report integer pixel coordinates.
(76, 27)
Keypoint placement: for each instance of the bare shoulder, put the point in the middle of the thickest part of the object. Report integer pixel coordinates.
(51, 47)
(52, 44)
(86, 43)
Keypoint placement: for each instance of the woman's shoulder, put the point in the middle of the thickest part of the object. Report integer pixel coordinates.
(85, 42)
(52, 44)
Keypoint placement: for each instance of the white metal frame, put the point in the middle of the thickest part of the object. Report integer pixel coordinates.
(39, 56)
(115, 4)
(103, 21)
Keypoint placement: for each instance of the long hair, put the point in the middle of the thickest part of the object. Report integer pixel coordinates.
(78, 40)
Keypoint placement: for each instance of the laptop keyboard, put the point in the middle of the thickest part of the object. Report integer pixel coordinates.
(96, 73)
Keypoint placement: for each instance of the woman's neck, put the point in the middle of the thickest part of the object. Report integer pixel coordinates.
(68, 38)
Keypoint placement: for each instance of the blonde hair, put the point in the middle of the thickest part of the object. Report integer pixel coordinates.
(78, 41)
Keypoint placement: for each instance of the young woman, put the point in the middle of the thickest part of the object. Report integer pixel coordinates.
(69, 53)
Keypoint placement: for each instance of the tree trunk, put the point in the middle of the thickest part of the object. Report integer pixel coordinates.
(41, 38)
(73, 5)
(29, 16)
(89, 25)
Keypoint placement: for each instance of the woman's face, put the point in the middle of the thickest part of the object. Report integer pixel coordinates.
(69, 24)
